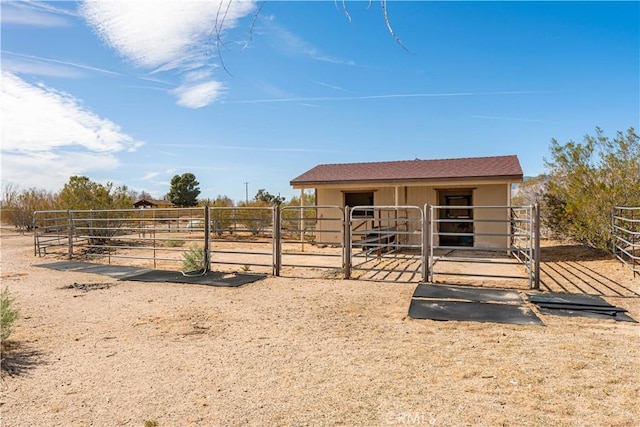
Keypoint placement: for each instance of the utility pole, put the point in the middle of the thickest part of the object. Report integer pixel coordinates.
(246, 192)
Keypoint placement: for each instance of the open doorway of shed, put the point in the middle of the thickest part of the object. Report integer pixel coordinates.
(459, 201)
(359, 198)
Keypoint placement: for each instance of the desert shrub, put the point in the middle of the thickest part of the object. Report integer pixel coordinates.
(586, 181)
(8, 314)
(193, 259)
(174, 243)
(256, 217)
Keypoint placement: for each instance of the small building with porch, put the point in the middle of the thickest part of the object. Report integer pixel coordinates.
(152, 204)
(453, 185)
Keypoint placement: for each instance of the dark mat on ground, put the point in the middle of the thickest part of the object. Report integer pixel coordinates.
(565, 298)
(88, 267)
(603, 308)
(122, 272)
(211, 278)
(578, 305)
(472, 311)
(612, 315)
(66, 265)
(466, 293)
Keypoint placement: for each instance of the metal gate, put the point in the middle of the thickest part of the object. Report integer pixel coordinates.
(243, 236)
(386, 243)
(626, 236)
(498, 242)
(312, 238)
(141, 237)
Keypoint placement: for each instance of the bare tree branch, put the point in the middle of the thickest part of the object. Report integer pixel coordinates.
(223, 12)
(383, 3)
(253, 21)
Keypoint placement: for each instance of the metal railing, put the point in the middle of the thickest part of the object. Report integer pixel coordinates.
(243, 236)
(311, 237)
(154, 237)
(392, 243)
(52, 233)
(386, 240)
(626, 236)
(490, 235)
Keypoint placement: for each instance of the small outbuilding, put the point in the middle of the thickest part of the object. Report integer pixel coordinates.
(463, 182)
(152, 203)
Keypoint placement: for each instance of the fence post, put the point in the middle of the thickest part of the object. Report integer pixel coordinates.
(536, 253)
(432, 232)
(207, 234)
(70, 232)
(35, 233)
(346, 244)
(426, 244)
(277, 243)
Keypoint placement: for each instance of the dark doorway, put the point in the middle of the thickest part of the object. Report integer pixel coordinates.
(361, 198)
(458, 217)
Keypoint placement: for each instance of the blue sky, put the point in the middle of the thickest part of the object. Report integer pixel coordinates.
(135, 92)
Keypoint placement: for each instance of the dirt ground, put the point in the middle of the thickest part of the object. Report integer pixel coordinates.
(92, 351)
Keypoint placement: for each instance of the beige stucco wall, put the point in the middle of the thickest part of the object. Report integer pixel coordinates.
(490, 195)
(493, 194)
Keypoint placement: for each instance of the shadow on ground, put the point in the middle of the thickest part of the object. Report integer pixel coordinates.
(572, 253)
(565, 269)
(18, 359)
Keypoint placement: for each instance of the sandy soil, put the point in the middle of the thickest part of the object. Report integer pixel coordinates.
(303, 351)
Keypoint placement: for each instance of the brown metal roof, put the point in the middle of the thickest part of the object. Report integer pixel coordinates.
(484, 168)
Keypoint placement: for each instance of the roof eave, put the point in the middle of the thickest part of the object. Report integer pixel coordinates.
(310, 184)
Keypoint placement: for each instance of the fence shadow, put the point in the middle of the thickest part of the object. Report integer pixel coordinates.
(564, 268)
(566, 253)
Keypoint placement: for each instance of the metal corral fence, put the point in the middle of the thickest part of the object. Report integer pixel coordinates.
(308, 237)
(399, 243)
(387, 241)
(487, 236)
(626, 236)
(122, 236)
(243, 236)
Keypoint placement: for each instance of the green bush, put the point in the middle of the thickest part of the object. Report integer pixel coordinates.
(586, 181)
(194, 259)
(174, 243)
(8, 314)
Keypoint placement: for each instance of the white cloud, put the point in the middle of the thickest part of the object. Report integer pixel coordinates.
(37, 68)
(168, 35)
(292, 44)
(198, 95)
(25, 13)
(49, 135)
(18, 63)
(149, 175)
(51, 170)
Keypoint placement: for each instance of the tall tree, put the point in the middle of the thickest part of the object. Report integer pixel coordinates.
(82, 193)
(265, 197)
(17, 207)
(587, 180)
(184, 190)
